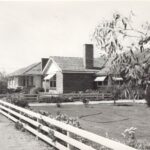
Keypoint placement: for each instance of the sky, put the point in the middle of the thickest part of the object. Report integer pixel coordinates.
(31, 30)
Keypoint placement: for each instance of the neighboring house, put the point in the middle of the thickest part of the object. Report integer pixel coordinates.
(107, 79)
(29, 77)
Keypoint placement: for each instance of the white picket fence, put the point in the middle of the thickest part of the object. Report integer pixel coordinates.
(30, 121)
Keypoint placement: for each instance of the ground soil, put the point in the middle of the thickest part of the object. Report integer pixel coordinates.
(12, 139)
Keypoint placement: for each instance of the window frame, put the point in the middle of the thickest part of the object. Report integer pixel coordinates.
(52, 82)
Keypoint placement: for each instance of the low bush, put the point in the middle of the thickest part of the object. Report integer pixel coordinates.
(21, 103)
(25, 90)
(85, 102)
(54, 99)
(58, 105)
(19, 126)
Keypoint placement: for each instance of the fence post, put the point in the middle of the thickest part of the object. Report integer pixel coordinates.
(103, 96)
(68, 145)
(37, 98)
(38, 129)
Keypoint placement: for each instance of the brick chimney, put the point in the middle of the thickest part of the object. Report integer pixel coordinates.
(44, 62)
(88, 56)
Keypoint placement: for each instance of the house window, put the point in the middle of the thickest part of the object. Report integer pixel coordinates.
(100, 83)
(31, 81)
(53, 82)
(24, 82)
(105, 82)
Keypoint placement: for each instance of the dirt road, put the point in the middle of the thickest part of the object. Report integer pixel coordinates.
(12, 139)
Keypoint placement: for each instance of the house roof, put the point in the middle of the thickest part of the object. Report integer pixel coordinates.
(76, 63)
(36, 69)
(65, 63)
(31, 69)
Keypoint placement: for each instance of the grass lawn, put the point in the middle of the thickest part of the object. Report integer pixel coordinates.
(107, 118)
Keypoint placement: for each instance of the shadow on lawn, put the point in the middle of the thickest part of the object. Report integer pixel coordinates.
(123, 104)
(110, 121)
(83, 117)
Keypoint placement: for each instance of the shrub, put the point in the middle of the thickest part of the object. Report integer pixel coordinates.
(25, 90)
(58, 105)
(19, 126)
(3, 87)
(54, 99)
(129, 137)
(147, 95)
(85, 102)
(21, 103)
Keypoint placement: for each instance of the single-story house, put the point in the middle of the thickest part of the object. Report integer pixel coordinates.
(29, 77)
(71, 74)
(63, 74)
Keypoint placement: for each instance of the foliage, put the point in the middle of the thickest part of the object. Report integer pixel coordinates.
(3, 83)
(19, 126)
(126, 47)
(56, 99)
(58, 104)
(129, 137)
(147, 95)
(21, 103)
(85, 102)
(25, 90)
(52, 136)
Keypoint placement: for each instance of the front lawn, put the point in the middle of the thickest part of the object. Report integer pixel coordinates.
(107, 119)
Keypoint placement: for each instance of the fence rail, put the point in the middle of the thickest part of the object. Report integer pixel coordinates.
(38, 97)
(31, 122)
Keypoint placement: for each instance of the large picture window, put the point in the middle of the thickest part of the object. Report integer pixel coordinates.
(53, 82)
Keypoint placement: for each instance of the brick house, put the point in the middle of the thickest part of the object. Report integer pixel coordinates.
(71, 74)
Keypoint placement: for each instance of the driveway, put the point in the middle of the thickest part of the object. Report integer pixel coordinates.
(12, 139)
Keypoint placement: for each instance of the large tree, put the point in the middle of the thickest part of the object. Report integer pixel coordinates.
(127, 47)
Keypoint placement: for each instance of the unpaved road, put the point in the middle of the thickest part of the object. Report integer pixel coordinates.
(12, 139)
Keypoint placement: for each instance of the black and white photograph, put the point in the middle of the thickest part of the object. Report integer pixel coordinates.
(74, 75)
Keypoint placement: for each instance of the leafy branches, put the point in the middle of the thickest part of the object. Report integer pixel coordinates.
(127, 47)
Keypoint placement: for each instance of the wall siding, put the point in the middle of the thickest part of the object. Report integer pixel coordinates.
(77, 82)
(37, 81)
(59, 82)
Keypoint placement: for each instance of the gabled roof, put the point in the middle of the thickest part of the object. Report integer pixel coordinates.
(65, 64)
(76, 63)
(31, 69)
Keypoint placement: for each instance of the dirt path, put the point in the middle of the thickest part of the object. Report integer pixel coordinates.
(12, 139)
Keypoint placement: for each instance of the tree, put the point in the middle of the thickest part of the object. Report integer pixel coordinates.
(3, 83)
(126, 46)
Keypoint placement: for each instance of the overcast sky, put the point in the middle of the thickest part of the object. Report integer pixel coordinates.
(32, 30)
